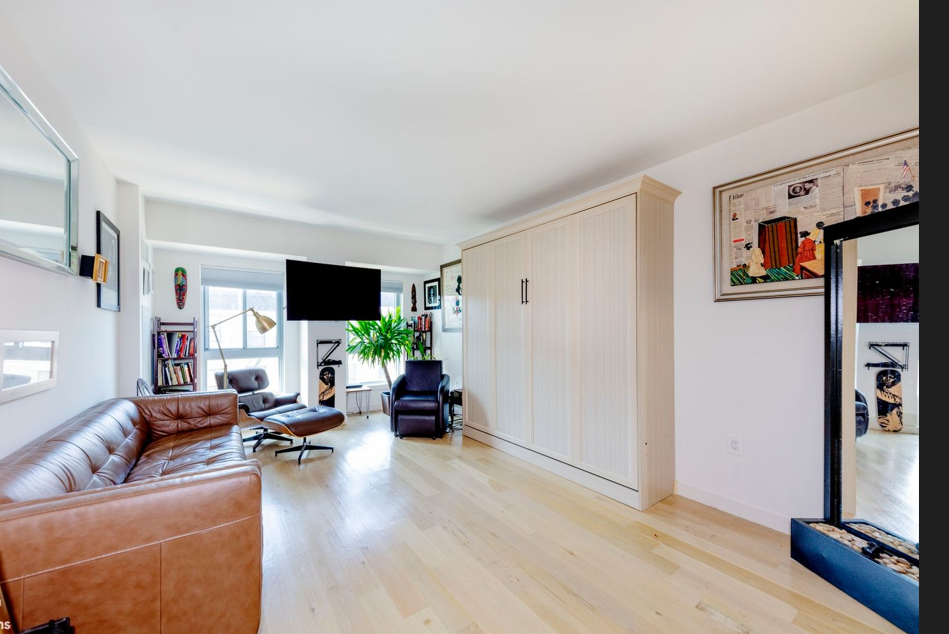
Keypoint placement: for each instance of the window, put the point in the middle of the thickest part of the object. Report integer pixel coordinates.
(228, 292)
(359, 372)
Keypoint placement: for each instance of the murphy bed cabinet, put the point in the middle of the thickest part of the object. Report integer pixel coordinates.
(568, 341)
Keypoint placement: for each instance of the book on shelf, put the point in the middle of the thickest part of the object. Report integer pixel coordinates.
(172, 373)
(175, 345)
(422, 322)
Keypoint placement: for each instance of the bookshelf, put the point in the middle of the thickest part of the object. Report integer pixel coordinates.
(422, 329)
(175, 356)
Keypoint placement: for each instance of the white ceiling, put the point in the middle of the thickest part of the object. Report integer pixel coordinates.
(439, 119)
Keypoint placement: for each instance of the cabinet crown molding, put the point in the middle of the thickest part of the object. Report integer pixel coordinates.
(641, 185)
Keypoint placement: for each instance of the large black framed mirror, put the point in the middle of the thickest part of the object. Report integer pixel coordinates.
(867, 543)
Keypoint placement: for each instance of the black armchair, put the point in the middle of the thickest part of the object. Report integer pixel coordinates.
(250, 384)
(419, 400)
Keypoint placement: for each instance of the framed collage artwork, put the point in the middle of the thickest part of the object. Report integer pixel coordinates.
(769, 228)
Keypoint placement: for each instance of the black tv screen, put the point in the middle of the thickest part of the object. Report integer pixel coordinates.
(328, 292)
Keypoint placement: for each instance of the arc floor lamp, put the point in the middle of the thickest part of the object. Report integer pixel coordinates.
(263, 324)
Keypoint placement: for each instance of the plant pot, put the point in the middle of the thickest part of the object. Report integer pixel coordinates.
(385, 402)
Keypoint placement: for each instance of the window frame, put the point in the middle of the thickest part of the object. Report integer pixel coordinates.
(210, 346)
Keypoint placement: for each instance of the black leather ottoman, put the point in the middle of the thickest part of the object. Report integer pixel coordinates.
(301, 423)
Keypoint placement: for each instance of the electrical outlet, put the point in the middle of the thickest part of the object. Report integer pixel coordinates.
(735, 445)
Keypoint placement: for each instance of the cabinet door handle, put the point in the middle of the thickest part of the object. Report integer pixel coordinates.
(527, 291)
(522, 291)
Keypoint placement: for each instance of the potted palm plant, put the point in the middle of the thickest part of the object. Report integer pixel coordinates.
(379, 343)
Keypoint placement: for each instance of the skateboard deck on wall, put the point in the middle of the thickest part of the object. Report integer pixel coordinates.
(889, 393)
(328, 386)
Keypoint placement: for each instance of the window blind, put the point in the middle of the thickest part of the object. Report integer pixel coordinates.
(242, 278)
(391, 287)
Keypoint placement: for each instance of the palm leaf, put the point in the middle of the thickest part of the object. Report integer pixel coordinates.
(380, 343)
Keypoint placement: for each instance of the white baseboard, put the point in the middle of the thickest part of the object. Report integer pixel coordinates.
(618, 492)
(739, 509)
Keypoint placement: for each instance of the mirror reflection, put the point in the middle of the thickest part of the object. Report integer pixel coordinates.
(34, 185)
(26, 362)
(883, 477)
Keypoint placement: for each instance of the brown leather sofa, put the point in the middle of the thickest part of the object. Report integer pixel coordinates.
(138, 515)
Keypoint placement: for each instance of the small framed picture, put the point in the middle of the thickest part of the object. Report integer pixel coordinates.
(107, 245)
(451, 282)
(433, 295)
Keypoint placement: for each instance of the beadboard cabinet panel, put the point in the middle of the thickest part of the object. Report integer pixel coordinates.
(478, 278)
(551, 290)
(512, 339)
(607, 294)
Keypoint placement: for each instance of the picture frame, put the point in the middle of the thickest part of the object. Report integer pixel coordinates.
(452, 305)
(431, 291)
(768, 228)
(108, 246)
(28, 362)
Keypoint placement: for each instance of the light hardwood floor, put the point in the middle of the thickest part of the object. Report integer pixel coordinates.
(413, 535)
(888, 481)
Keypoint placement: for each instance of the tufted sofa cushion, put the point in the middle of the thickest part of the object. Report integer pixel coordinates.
(189, 452)
(168, 415)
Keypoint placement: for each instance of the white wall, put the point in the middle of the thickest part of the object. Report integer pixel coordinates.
(34, 299)
(135, 318)
(755, 368)
(164, 303)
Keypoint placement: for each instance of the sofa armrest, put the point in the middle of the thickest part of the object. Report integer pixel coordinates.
(399, 387)
(173, 414)
(176, 545)
(287, 399)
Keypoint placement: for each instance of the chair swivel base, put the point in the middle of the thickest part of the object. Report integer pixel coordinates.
(303, 447)
(268, 435)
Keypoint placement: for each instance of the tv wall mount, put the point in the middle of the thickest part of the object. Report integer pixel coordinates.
(880, 347)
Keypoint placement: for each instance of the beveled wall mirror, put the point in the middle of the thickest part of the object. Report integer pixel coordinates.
(39, 177)
(867, 543)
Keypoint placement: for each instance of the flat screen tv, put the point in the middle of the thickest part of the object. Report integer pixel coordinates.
(328, 292)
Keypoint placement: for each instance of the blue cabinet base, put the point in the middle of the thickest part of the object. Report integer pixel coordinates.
(889, 594)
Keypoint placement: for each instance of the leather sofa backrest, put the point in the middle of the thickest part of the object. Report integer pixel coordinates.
(423, 376)
(167, 414)
(99, 447)
(244, 380)
(94, 449)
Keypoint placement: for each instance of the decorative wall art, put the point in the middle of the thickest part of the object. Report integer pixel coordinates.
(107, 245)
(181, 287)
(414, 300)
(769, 228)
(433, 295)
(451, 294)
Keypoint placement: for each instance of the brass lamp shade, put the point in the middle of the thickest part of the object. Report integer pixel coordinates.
(263, 322)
